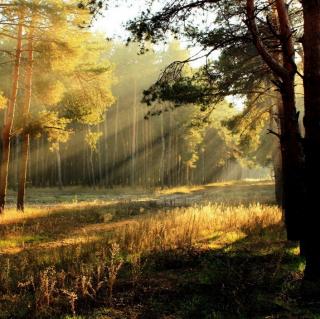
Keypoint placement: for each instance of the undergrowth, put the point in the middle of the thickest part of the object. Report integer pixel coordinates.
(145, 260)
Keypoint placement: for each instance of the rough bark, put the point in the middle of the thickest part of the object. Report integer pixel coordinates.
(292, 164)
(290, 137)
(276, 153)
(311, 45)
(6, 133)
(291, 140)
(277, 167)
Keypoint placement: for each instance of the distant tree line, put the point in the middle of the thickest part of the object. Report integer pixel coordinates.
(133, 144)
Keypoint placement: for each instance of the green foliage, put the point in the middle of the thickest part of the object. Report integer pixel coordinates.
(71, 83)
(180, 92)
(250, 128)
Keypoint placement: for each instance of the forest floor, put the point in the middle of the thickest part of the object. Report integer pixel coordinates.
(212, 251)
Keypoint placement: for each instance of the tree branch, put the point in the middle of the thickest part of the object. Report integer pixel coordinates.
(266, 56)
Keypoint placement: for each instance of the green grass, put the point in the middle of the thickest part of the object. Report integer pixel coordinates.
(213, 251)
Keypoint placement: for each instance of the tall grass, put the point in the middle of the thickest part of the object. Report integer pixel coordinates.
(46, 282)
(185, 227)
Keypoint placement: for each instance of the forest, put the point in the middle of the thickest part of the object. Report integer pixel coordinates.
(159, 159)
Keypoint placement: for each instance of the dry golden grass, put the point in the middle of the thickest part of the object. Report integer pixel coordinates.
(185, 227)
(73, 240)
(138, 225)
(147, 231)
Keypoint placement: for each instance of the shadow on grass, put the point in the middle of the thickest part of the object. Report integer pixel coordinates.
(251, 278)
(60, 223)
(257, 276)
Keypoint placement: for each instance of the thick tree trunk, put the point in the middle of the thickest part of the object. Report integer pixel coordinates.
(284, 69)
(6, 133)
(311, 45)
(293, 200)
(25, 136)
(291, 141)
(276, 153)
(277, 168)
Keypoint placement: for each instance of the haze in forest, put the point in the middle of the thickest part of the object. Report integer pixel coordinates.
(159, 159)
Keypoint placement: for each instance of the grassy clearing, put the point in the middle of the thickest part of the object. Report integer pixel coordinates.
(201, 252)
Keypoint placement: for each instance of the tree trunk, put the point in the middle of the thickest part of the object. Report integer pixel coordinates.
(115, 145)
(291, 140)
(92, 169)
(134, 134)
(99, 157)
(311, 45)
(6, 133)
(106, 153)
(145, 148)
(25, 136)
(277, 168)
(292, 163)
(84, 164)
(290, 137)
(22, 172)
(275, 121)
(276, 152)
(169, 153)
(60, 184)
(36, 178)
(16, 162)
(163, 150)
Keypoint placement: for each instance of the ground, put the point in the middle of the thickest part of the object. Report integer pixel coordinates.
(213, 251)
